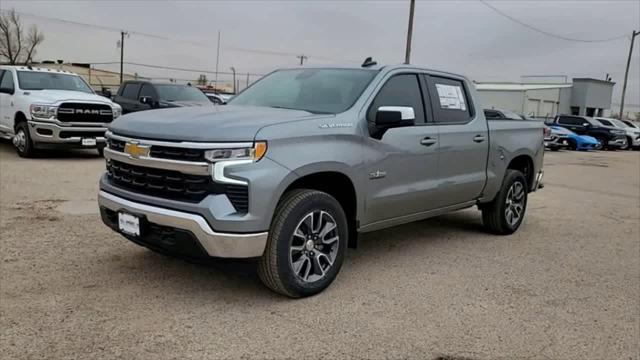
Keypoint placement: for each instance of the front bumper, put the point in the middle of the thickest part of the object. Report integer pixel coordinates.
(617, 142)
(52, 133)
(216, 244)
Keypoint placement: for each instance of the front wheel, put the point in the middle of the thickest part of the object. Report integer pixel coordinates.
(505, 213)
(306, 246)
(22, 141)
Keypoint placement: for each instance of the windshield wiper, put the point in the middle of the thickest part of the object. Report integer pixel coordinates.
(309, 111)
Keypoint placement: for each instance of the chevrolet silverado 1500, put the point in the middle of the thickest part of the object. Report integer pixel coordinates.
(305, 159)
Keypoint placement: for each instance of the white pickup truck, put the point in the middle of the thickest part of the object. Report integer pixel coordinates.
(44, 108)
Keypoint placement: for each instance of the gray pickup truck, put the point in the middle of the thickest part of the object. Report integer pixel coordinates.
(302, 161)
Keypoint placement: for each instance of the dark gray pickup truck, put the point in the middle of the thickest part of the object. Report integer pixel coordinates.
(301, 162)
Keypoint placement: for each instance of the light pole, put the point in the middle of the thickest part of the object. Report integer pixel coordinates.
(626, 72)
(234, 79)
(407, 55)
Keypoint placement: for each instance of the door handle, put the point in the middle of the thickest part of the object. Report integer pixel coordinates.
(479, 138)
(428, 141)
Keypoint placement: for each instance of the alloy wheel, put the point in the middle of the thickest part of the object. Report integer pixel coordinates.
(514, 203)
(314, 246)
(20, 140)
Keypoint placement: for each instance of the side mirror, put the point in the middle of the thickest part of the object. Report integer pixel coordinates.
(7, 91)
(147, 100)
(395, 116)
(586, 124)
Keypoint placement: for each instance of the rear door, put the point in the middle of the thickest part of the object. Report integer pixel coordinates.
(402, 162)
(573, 123)
(463, 143)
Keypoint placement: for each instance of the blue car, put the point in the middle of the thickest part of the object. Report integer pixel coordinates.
(575, 141)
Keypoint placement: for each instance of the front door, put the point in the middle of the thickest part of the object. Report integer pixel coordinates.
(401, 174)
(7, 109)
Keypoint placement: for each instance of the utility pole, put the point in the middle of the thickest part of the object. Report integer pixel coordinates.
(247, 85)
(407, 56)
(302, 59)
(626, 72)
(217, 61)
(122, 34)
(235, 89)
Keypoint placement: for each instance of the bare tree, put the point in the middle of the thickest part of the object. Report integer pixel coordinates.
(16, 47)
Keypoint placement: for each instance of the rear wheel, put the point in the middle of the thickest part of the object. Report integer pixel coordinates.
(505, 213)
(306, 246)
(22, 141)
(603, 144)
(572, 144)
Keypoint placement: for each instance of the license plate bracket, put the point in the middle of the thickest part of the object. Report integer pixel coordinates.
(129, 224)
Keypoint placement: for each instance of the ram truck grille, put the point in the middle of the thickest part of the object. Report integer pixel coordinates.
(85, 113)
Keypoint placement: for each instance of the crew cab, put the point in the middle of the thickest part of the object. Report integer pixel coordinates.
(305, 159)
(609, 137)
(137, 95)
(43, 108)
(631, 131)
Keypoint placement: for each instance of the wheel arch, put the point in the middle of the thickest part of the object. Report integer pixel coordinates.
(524, 164)
(336, 183)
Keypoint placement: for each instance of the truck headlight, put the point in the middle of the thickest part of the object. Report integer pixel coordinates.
(254, 153)
(117, 111)
(45, 112)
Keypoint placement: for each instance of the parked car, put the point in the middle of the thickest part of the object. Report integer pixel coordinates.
(44, 109)
(501, 114)
(294, 167)
(632, 132)
(609, 137)
(215, 98)
(137, 95)
(574, 141)
(555, 140)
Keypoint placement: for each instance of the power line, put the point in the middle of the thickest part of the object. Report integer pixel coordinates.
(531, 27)
(170, 68)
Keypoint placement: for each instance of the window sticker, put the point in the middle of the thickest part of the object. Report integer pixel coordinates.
(451, 97)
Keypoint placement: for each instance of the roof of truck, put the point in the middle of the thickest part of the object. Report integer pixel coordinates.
(36, 69)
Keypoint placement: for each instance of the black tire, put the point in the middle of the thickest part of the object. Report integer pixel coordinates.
(24, 147)
(494, 214)
(572, 144)
(275, 267)
(629, 143)
(555, 148)
(603, 143)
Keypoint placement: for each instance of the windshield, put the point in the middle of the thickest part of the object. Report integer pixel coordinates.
(180, 93)
(324, 91)
(619, 123)
(37, 80)
(606, 122)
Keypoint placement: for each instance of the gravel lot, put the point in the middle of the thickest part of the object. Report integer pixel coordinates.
(566, 286)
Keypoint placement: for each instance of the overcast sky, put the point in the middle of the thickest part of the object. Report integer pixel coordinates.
(460, 36)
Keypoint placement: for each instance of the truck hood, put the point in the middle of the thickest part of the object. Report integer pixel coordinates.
(206, 102)
(215, 124)
(58, 96)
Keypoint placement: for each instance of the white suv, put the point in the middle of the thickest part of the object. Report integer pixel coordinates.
(44, 108)
(632, 132)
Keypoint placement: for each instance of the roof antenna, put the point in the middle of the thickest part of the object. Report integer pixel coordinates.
(369, 62)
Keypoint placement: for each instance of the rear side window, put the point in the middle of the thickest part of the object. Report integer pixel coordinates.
(130, 91)
(492, 114)
(450, 100)
(571, 120)
(400, 90)
(7, 80)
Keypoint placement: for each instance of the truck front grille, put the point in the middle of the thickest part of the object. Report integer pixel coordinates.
(164, 152)
(174, 185)
(85, 113)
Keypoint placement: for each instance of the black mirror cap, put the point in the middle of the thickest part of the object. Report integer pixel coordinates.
(389, 118)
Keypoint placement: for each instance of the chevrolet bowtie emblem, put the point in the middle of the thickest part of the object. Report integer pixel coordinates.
(136, 150)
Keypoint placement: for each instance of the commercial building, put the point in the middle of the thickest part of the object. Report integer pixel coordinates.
(583, 96)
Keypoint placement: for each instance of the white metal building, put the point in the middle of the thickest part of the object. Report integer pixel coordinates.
(585, 96)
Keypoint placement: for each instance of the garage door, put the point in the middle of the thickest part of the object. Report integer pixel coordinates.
(533, 107)
(547, 109)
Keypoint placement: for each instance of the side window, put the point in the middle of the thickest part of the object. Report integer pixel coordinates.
(130, 91)
(449, 99)
(570, 120)
(7, 81)
(400, 90)
(148, 91)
